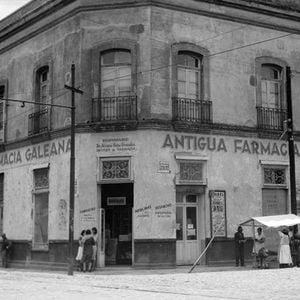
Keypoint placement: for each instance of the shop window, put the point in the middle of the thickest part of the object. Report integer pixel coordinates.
(271, 98)
(1, 201)
(41, 209)
(115, 170)
(274, 176)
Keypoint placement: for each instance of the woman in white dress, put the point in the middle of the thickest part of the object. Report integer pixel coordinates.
(284, 253)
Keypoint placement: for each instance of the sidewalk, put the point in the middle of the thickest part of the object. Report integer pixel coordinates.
(115, 270)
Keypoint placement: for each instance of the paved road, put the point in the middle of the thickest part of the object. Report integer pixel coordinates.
(226, 283)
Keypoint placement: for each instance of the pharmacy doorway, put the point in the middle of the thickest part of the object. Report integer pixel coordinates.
(116, 206)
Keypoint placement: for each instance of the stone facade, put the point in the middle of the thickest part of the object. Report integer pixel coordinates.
(171, 157)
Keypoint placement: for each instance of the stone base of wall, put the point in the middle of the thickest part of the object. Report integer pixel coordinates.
(222, 251)
(148, 253)
(155, 253)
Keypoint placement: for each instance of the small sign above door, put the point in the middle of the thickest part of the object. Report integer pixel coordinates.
(116, 200)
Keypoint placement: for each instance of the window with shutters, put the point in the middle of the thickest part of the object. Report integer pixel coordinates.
(271, 98)
(39, 119)
(41, 209)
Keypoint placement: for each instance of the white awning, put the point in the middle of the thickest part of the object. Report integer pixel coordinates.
(274, 221)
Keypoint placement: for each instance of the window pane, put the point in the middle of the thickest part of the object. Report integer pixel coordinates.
(192, 90)
(191, 223)
(124, 81)
(193, 76)
(179, 223)
(123, 57)
(181, 75)
(108, 58)
(116, 80)
(191, 198)
(181, 90)
(115, 169)
(108, 89)
(274, 176)
(108, 73)
(2, 90)
(41, 178)
(179, 197)
(1, 114)
(41, 220)
(44, 76)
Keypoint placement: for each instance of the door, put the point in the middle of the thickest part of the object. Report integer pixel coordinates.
(101, 240)
(117, 202)
(187, 229)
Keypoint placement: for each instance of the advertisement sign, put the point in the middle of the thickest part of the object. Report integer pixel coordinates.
(218, 213)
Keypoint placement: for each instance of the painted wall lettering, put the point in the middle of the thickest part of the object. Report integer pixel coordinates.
(218, 144)
(35, 152)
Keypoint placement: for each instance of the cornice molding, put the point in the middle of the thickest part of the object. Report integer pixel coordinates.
(13, 25)
(152, 124)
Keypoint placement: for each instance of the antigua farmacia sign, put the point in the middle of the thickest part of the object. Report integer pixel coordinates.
(219, 144)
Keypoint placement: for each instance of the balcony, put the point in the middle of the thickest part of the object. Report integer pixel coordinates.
(114, 109)
(271, 118)
(38, 122)
(192, 110)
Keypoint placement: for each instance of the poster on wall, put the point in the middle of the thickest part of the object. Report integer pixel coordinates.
(218, 213)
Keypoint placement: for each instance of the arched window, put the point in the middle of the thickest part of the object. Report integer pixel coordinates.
(189, 75)
(116, 73)
(42, 86)
(270, 92)
(271, 86)
(39, 120)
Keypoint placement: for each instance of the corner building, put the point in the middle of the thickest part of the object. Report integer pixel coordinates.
(179, 132)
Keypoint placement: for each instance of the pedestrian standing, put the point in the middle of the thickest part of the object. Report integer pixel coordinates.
(239, 240)
(259, 245)
(5, 250)
(80, 250)
(94, 257)
(284, 253)
(87, 252)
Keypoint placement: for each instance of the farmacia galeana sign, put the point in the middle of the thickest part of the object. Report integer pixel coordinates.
(35, 152)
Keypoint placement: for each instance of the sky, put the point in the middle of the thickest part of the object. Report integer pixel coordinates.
(9, 6)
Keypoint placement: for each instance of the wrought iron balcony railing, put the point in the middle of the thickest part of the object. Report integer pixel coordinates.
(271, 118)
(114, 108)
(38, 122)
(192, 110)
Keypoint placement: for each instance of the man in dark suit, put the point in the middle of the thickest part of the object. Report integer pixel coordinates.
(239, 240)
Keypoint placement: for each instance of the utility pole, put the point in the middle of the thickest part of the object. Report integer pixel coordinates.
(72, 170)
(290, 134)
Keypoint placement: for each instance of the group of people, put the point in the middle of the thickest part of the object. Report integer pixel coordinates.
(87, 250)
(288, 252)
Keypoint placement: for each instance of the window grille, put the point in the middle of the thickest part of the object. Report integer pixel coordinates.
(191, 171)
(275, 176)
(115, 169)
(41, 209)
